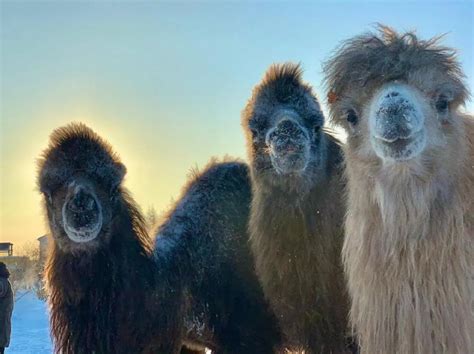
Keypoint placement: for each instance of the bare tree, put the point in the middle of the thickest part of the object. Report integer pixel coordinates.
(25, 268)
(29, 249)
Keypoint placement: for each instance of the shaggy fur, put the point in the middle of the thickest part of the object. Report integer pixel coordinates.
(296, 219)
(206, 232)
(364, 63)
(408, 251)
(99, 302)
(113, 295)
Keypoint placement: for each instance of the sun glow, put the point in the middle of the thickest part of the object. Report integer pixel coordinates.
(21, 212)
(164, 86)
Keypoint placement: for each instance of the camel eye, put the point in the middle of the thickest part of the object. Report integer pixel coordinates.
(49, 197)
(48, 193)
(253, 131)
(257, 126)
(351, 117)
(442, 104)
(113, 192)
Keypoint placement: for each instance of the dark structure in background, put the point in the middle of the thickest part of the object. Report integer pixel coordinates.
(26, 271)
(17, 265)
(6, 249)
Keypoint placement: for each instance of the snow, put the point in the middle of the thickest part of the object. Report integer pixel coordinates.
(30, 327)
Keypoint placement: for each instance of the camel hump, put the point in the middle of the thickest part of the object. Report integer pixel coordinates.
(221, 191)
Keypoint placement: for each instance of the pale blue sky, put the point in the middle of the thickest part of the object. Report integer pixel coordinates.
(165, 82)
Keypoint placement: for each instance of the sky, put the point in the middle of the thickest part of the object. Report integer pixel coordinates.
(165, 82)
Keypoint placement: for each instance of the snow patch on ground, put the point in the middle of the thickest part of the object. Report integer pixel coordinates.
(30, 326)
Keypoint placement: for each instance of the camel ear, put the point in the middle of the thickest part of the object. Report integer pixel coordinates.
(116, 179)
(121, 170)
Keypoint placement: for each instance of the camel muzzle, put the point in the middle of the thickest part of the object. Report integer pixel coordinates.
(396, 117)
(81, 213)
(396, 122)
(288, 144)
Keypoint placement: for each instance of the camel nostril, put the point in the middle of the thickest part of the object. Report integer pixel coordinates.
(288, 127)
(82, 210)
(396, 118)
(82, 202)
(290, 130)
(392, 94)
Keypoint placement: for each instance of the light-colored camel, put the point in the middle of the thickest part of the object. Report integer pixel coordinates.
(408, 251)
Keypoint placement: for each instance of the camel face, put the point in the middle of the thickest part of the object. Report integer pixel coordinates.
(285, 146)
(396, 122)
(283, 122)
(81, 212)
(397, 97)
(404, 123)
(288, 143)
(80, 178)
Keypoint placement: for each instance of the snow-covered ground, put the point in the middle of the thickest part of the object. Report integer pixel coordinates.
(30, 328)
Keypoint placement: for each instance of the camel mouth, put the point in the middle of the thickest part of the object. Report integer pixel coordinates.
(397, 136)
(396, 122)
(401, 148)
(288, 145)
(285, 163)
(82, 216)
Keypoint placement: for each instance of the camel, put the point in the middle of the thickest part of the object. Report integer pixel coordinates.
(408, 250)
(296, 218)
(110, 291)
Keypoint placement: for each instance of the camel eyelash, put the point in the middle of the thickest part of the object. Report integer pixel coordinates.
(442, 104)
(351, 116)
(256, 126)
(253, 131)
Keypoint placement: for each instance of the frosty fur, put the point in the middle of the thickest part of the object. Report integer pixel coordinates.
(408, 250)
(296, 220)
(114, 294)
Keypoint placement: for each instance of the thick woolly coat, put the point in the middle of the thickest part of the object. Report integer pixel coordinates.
(205, 238)
(408, 250)
(296, 219)
(197, 288)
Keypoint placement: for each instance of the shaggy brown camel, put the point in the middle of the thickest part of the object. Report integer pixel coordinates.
(296, 219)
(110, 293)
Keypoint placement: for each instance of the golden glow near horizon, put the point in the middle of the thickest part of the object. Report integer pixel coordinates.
(164, 83)
(152, 185)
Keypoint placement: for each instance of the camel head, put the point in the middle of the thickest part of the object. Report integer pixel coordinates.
(79, 178)
(283, 127)
(397, 97)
